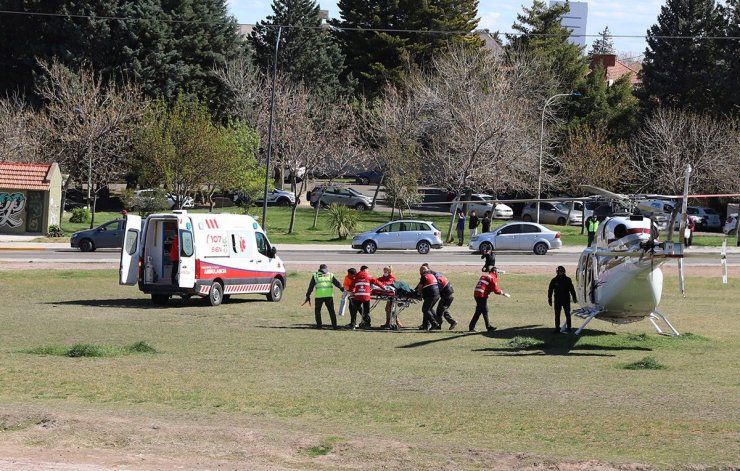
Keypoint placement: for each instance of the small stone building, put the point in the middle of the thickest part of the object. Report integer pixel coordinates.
(30, 195)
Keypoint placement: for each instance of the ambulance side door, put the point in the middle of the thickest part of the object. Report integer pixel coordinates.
(128, 269)
(186, 271)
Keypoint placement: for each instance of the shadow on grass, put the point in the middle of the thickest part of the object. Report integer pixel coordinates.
(143, 303)
(545, 342)
(460, 335)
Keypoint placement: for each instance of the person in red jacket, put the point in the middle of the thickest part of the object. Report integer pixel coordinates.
(487, 284)
(387, 279)
(428, 287)
(361, 292)
(174, 256)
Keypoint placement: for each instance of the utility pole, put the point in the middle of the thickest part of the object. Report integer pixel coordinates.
(269, 128)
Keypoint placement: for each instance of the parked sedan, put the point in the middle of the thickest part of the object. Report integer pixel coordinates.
(483, 203)
(520, 236)
(404, 234)
(106, 236)
(370, 177)
(327, 195)
(551, 213)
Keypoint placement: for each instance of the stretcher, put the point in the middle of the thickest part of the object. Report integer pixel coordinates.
(400, 299)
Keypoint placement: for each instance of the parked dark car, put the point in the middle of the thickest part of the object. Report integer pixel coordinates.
(105, 236)
(367, 178)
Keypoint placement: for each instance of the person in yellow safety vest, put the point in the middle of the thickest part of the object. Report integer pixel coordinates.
(323, 280)
(592, 225)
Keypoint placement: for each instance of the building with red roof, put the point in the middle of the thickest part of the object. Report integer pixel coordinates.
(30, 197)
(616, 69)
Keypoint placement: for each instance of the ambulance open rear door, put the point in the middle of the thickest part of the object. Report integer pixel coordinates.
(186, 269)
(129, 268)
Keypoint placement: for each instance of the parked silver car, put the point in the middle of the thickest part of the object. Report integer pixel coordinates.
(403, 234)
(525, 236)
(334, 194)
(483, 203)
(551, 213)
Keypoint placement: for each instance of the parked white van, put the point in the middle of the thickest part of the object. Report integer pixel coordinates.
(219, 255)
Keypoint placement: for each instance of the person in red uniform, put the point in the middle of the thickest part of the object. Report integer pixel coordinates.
(361, 292)
(429, 289)
(446, 297)
(487, 284)
(387, 279)
(347, 285)
(174, 256)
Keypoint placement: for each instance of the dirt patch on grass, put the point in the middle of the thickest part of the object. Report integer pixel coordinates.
(92, 440)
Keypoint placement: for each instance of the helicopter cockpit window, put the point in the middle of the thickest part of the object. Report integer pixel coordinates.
(620, 231)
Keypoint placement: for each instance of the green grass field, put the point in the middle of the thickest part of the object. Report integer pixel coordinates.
(250, 382)
(278, 221)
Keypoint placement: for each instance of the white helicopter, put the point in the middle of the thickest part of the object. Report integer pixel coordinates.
(620, 278)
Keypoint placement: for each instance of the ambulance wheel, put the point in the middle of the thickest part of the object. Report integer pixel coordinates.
(423, 247)
(86, 245)
(160, 299)
(276, 291)
(369, 247)
(216, 295)
(540, 248)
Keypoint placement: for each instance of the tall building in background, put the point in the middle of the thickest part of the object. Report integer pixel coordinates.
(575, 21)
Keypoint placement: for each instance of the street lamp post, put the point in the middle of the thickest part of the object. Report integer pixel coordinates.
(542, 146)
(80, 115)
(269, 127)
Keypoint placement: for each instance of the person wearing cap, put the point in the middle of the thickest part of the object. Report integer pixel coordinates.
(428, 287)
(562, 287)
(362, 293)
(347, 284)
(323, 280)
(487, 284)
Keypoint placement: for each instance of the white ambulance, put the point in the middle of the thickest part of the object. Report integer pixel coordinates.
(219, 255)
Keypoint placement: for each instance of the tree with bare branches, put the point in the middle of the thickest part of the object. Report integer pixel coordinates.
(87, 125)
(670, 139)
(20, 140)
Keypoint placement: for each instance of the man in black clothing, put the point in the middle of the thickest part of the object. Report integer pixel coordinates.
(323, 280)
(562, 287)
(490, 259)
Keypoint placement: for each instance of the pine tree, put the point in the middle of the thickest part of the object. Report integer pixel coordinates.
(541, 34)
(164, 57)
(603, 45)
(683, 73)
(307, 53)
(379, 57)
(730, 103)
(612, 108)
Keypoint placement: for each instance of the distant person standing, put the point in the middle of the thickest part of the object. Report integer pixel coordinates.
(487, 284)
(460, 227)
(473, 224)
(486, 222)
(323, 280)
(592, 225)
(562, 287)
(174, 256)
(489, 257)
(689, 232)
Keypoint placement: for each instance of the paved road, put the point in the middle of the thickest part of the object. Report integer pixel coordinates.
(346, 257)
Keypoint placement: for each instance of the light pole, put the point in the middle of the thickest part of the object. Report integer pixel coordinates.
(542, 146)
(269, 128)
(80, 115)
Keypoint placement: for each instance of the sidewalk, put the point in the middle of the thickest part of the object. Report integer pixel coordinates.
(334, 248)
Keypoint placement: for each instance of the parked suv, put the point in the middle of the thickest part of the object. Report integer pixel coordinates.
(551, 213)
(403, 234)
(340, 195)
(710, 218)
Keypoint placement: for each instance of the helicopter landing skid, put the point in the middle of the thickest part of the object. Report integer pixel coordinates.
(659, 316)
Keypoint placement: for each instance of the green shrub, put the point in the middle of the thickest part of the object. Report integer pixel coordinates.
(647, 363)
(524, 343)
(91, 350)
(342, 220)
(85, 350)
(141, 347)
(80, 215)
(55, 230)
